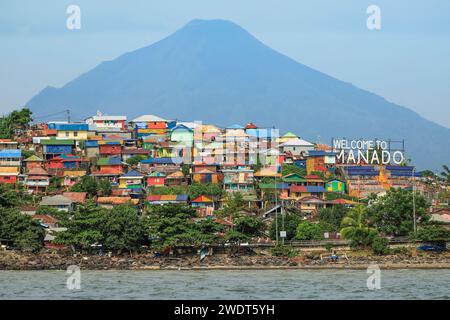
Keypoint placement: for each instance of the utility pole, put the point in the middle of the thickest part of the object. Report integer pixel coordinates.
(68, 115)
(276, 205)
(414, 197)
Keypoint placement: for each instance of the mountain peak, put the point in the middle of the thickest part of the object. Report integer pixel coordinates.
(212, 28)
(217, 72)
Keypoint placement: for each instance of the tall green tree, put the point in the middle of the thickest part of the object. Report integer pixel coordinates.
(446, 173)
(85, 227)
(392, 214)
(174, 225)
(122, 229)
(23, 232)
(309, 231)
(291, 221)
(331, 218)
(356, 228)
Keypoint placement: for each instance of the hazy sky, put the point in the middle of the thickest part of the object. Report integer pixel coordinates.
(407, 61)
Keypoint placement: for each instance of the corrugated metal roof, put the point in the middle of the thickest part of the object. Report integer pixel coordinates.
(320, 153)
(58, 142)
(10, 153)
(149, 118)
(158, 161)
(113, 161)
(91, 144)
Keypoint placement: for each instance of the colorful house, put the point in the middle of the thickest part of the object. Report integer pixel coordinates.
(100, 122)
(149, 124)
(287, 137)
(111, 202)
(92, 148)
(335, 185)
(110, 168)
(37, 179)
(176, 179)
(8, 144)
(204, 204)
(109, 148)
(164, 165)
(59, 202)
(72, 131)
(33, 162)
(205, 174)
(240, 179)
(297, 147)
(156, 179)
(72, 177)
(182, 135)
(298, 191)
(55, 147)
(165, 199)
(322, 161)
(131, 180)
(10, 164)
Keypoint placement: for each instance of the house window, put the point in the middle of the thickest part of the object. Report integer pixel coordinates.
(75, 134)
(67, 133)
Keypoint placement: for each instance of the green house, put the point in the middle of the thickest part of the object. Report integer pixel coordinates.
(335, 185)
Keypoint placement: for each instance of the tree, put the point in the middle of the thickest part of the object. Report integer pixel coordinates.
(55, 184)
(173, 225)
(105, 188)
(87, 184)
(331, 218)
(13, 197)
(85, 227)
(134, 161)
(355, 227)
(309, 231)
(392, 214)
(291, 221)
(211, 189)
(432, 233)
(446, 174)
(380, 245)
(122, 229)
(16, 121)
(250, 226)
(23, 232)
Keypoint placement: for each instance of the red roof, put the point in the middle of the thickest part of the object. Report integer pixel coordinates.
(44, 218)
(295, 188)
(313, 177)
(202, 199)
(251, 125)
(37, 171)
(79, 197)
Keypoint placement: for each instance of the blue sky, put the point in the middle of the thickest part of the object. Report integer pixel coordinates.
(407, 61)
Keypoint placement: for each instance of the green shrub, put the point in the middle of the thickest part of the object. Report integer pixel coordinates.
(380, 245)
(283, 251)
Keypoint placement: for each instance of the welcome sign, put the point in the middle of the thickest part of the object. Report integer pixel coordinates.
(363, 151)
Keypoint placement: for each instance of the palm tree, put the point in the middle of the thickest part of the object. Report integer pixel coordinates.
(446, 173)
(355, 227)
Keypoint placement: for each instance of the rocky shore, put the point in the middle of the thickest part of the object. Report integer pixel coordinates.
(355, 260)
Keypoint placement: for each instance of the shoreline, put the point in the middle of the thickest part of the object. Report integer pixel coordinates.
(356, 261)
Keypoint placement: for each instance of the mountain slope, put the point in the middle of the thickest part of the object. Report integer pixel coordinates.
(217, 72)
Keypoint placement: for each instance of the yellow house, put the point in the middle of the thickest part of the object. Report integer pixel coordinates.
(72, 131)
